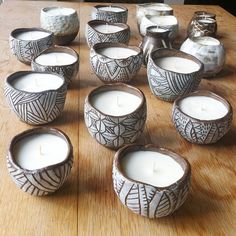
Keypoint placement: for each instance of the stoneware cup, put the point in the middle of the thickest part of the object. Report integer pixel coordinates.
(45, 180)
(68, 71)
(35, 108)
(64, 26)
(26, 50)
(169, 85)
(145, 199)
(93, 36)
(120, 16)
(115, 131)
(201, 131)
(115, 70)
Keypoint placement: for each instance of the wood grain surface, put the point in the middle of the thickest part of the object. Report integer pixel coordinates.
(87, 204)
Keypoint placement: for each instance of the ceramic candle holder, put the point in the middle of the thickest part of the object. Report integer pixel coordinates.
(168, 84)
(63, 22)
(145, 199)
(94, 36)
(201, 131)
(112, 13)
(36, 108)
(42, 181)
(209, 51)
(114, 131)
(68, 71)
(25, 48)
(120, 65)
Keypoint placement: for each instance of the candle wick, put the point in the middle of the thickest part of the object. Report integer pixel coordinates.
(40, 151)
(117, 101)
(155, 167)
(36, 82)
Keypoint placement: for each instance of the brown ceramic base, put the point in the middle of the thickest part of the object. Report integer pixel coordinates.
(65, 39)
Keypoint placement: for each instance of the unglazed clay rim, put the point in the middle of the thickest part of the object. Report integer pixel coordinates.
(151, 147)
(19, 73)
(40, 130)
(111, 12)
(173, 53)
(58, 49)
(193, 39)
(164, 16)
(45, 11)
(207, 94)
(21, 30)
(97, 46)
(117, 87)
(93, 23)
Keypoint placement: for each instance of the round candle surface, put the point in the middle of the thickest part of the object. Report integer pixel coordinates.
(31, 35)
(117, 52)
(177, 64)
(151, 167)
(108, 28)
(206, 21)
(40, 150)
(163, 20)
(37, 82)
(55, 59)
(157, 29)
(110, 8)
(203, 107)
(207, 41)
(116, 103)
(56, 11)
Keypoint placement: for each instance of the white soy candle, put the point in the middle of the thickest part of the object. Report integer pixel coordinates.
(57, 11)
(177, 64)
(31, 35)
(111, 8)
(203, 107)
(152, 168)
(106, 28)
(55, 59)
(207, 41)
(116, 103)
(37, 82)
(40, 150)
(117, 52)
(164, 20)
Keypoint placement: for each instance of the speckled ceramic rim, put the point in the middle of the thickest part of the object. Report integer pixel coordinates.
(93, 23)
(35, 131)
(46, 9)
(150, 147)
(58, 49)
(167, 52)
(208, 94)
(98, 46)
(114, 6)
(117, 87)
(15, 32)
(194, 39)
(15, 75)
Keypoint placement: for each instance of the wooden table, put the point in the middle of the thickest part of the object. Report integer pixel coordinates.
(87, 204)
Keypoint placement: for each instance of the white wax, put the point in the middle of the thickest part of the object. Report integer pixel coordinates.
(40, 150)
(110, 8)
(37, 82)
(164, 20)
(208, 41)
(57, 11)
(206, 21)
(177, 64)
(105, 29)
(117, 52)
(203, 107)
(151, 167)
(32, 35)
(157, 29)
(157, 6)
(55, 59)
(116, 103)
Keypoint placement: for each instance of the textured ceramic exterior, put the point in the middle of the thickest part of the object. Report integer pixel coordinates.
(68, 72)
(115, 131)
(145, 199)
(109, 16)
(35, 108)
(212, 56)
(26, 50)
(201, 131)
(42, 181)
(64, 27)
(110, 70)
(93, 36)
(169, 85)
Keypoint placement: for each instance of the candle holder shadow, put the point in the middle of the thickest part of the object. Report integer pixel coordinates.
(43, 181)
(201, 131)
(145, 199)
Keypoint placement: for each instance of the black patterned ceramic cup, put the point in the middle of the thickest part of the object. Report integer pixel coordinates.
(36, 97)
(40, 160)
(110, 13)
(115, 62)
(150, 181)
(63, 61)
(27, 43)
(115, 114)
(98, 31)
(202, 117)
(172, 73)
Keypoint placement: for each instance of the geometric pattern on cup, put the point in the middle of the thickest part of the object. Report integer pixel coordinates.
(114, 17)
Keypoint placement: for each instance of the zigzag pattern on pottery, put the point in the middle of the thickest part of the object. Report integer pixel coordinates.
(120, 17)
